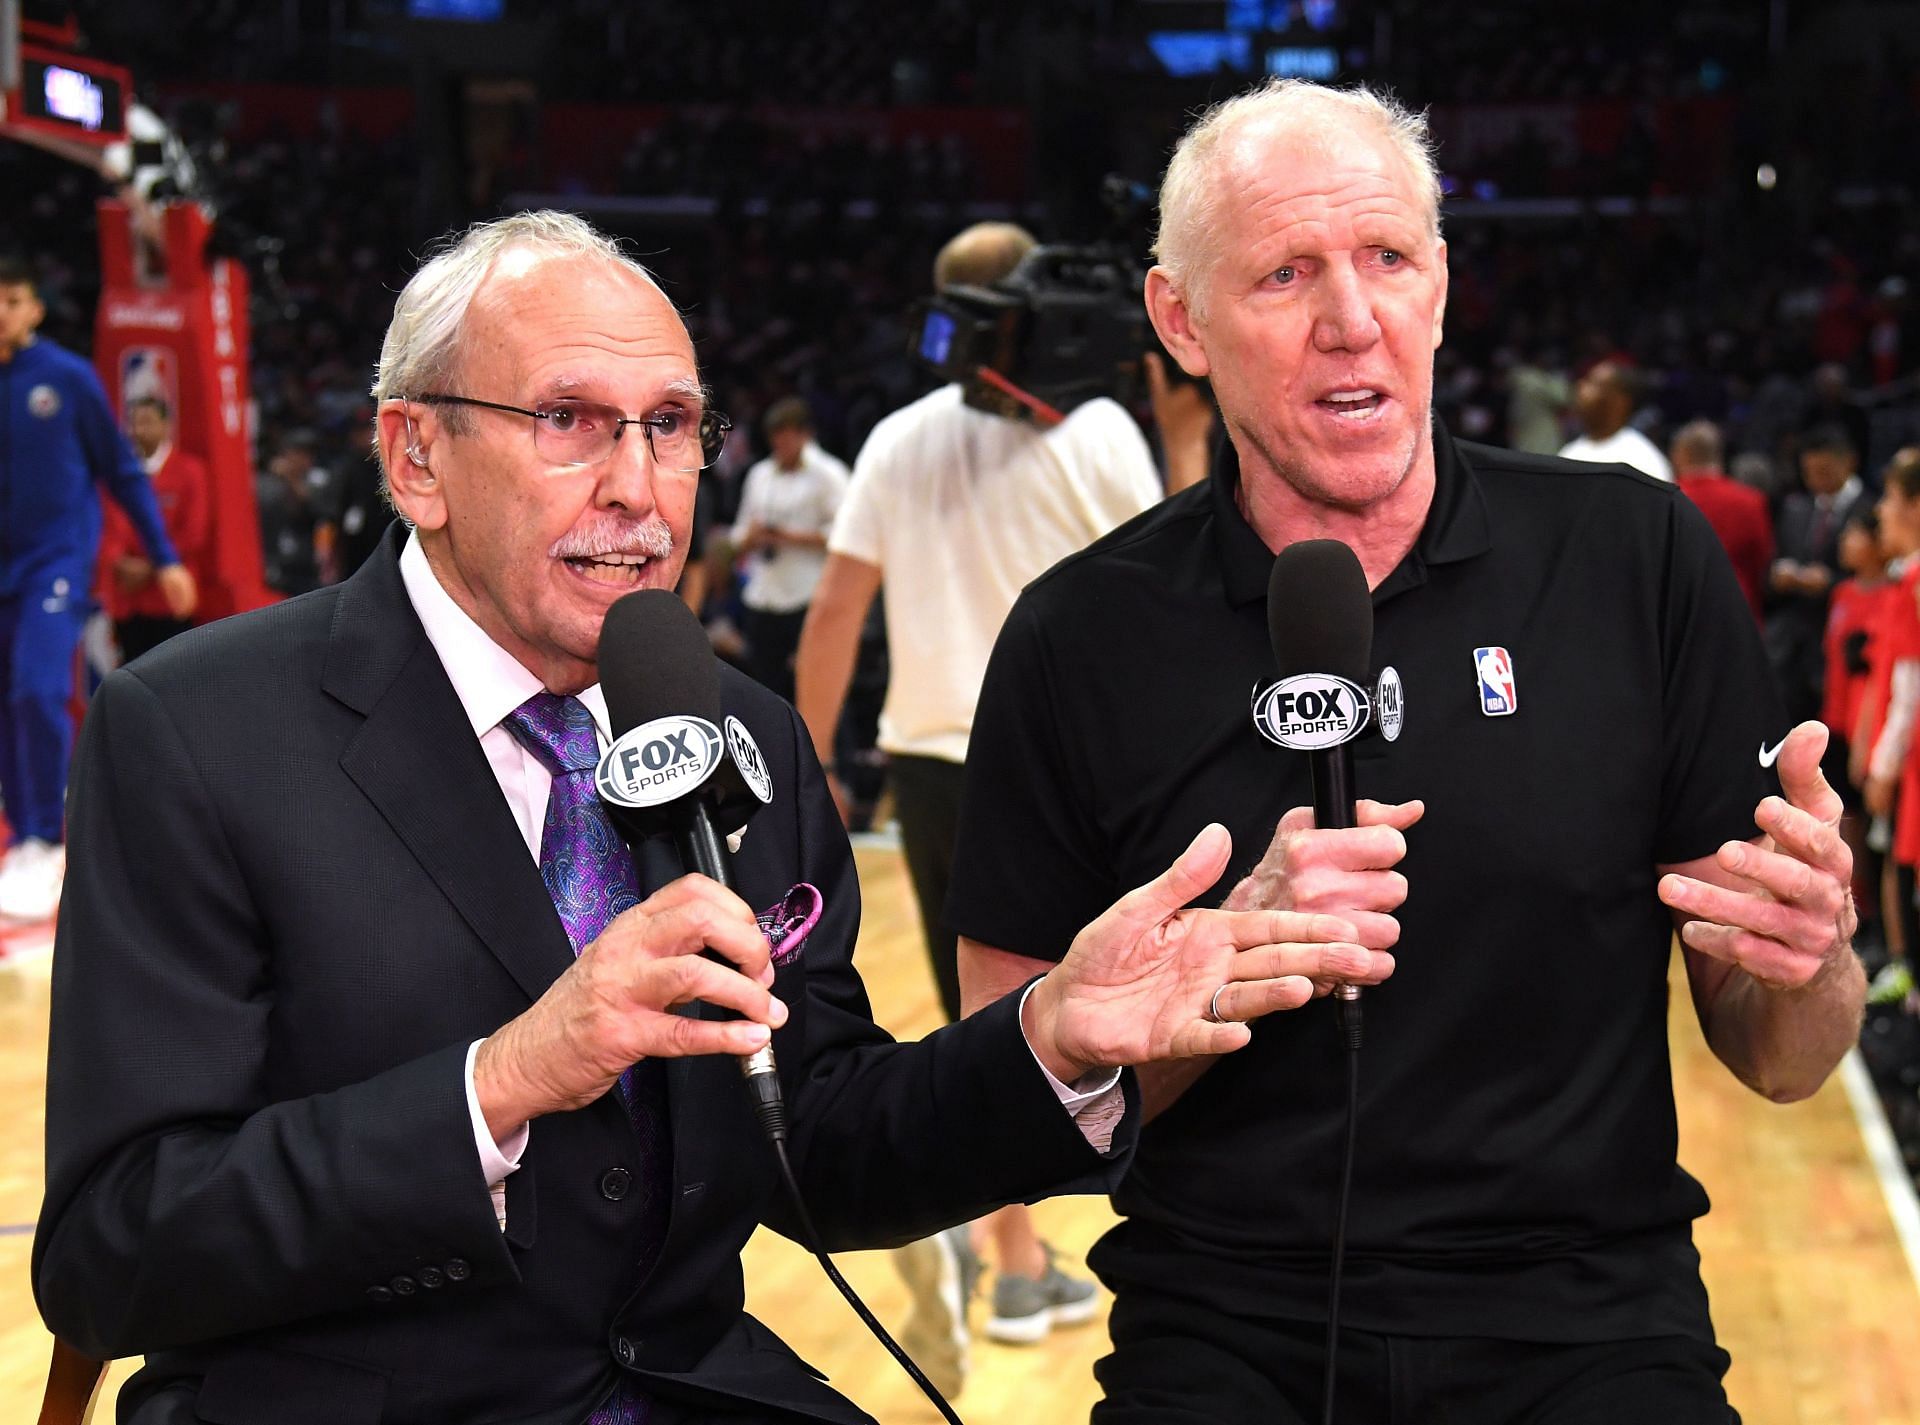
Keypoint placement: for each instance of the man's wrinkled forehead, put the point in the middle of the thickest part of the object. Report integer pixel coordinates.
(528, 281)
(1273, 158)
(533, 302)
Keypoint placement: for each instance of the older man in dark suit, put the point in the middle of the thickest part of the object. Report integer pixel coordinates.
(1807, 564)
(385, 1082)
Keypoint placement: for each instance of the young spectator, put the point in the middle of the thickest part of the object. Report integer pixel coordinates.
(1851, 619)
(1892, 789)
(142, 618)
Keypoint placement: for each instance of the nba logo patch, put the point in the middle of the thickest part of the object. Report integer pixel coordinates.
(1498, 696)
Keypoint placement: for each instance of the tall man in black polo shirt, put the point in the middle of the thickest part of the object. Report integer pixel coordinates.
(1585, 697)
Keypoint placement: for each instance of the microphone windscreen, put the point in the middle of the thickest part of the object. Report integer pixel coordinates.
(1319, 611)
(656, 661)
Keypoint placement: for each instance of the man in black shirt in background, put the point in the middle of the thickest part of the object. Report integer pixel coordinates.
(1585, 696)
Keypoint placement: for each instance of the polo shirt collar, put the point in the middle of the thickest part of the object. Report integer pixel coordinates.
(1456, 527)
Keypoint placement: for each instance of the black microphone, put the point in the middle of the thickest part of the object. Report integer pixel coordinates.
(678, 767)
(671, 769)
(1320, 621)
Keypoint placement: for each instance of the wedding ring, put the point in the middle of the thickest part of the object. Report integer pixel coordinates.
(1213, 1007)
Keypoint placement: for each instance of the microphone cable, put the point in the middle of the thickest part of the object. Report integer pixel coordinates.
(1320, 624)
(656, 664)
(769, 1107)
(1347, 1014)
(773, 1118)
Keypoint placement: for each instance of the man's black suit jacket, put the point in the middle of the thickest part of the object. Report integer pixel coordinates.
(1796, 623)
(295, 896)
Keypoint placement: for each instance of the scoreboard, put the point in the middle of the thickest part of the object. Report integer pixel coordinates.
(69, 96)
(48, 89)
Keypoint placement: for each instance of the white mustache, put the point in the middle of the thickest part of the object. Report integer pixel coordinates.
(610, 534)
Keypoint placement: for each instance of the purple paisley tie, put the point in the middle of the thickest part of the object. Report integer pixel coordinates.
(589, 874)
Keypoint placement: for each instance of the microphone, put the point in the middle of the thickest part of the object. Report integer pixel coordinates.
(1320, 623)
(1320, 620)
(671, 769)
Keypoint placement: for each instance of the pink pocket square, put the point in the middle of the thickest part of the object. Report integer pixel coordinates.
(788, 924)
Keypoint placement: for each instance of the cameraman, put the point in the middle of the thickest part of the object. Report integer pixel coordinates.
(953, 510)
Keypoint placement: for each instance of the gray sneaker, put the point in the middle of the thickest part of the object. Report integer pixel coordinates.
(939, 1283)
(960, 1239)
(1025, 1309)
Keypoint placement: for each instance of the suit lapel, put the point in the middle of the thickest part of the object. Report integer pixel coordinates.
(417, 760)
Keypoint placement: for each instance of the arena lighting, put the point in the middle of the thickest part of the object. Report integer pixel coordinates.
(471, 11)
(1185, 53)
(1320, 62)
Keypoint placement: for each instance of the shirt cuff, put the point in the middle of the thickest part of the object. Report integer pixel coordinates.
(1094, 1102)
(498, 1161)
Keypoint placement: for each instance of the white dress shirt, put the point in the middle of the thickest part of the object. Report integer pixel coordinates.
(491, 683)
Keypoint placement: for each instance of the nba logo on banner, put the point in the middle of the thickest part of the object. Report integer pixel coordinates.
(149, 373)
(1498, 697)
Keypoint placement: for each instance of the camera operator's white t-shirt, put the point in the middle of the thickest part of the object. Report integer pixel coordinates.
(960, 510)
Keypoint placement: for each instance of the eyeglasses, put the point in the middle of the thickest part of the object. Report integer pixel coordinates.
(585, 432)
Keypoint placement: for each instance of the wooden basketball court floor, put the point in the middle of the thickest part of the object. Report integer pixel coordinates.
(1813, 1292)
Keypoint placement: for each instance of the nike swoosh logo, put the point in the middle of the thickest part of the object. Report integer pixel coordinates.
(1768, 755)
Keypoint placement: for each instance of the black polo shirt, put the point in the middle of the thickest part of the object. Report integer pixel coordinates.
(1516, 1172)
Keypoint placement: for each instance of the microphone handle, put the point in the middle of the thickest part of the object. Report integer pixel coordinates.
(703, 850)
(1331, 770)
(699, 845)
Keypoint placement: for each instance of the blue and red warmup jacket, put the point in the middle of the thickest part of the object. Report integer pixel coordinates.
(58, 439)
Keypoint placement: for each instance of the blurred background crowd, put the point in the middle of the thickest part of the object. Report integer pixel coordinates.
(1658, 214)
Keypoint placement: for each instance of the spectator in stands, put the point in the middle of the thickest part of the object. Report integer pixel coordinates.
(1537, 395)
(1604, 402)
(1738, 514)
(61, 442)
(1807, 538)
(786, 509)
(1889, 338)
(141, 616)
(296, 515)
(1831, 402)
(1891, 772)
(361, 517)
(1756, 472)
(1853, 614)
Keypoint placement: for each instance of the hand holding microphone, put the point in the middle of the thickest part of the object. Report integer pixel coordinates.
(615, 1005)
(677, 767)
(692, 941)
(1338, 856)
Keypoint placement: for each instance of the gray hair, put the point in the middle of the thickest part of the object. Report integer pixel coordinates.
(1190, 194)
(422, 345)
(1697, 446)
